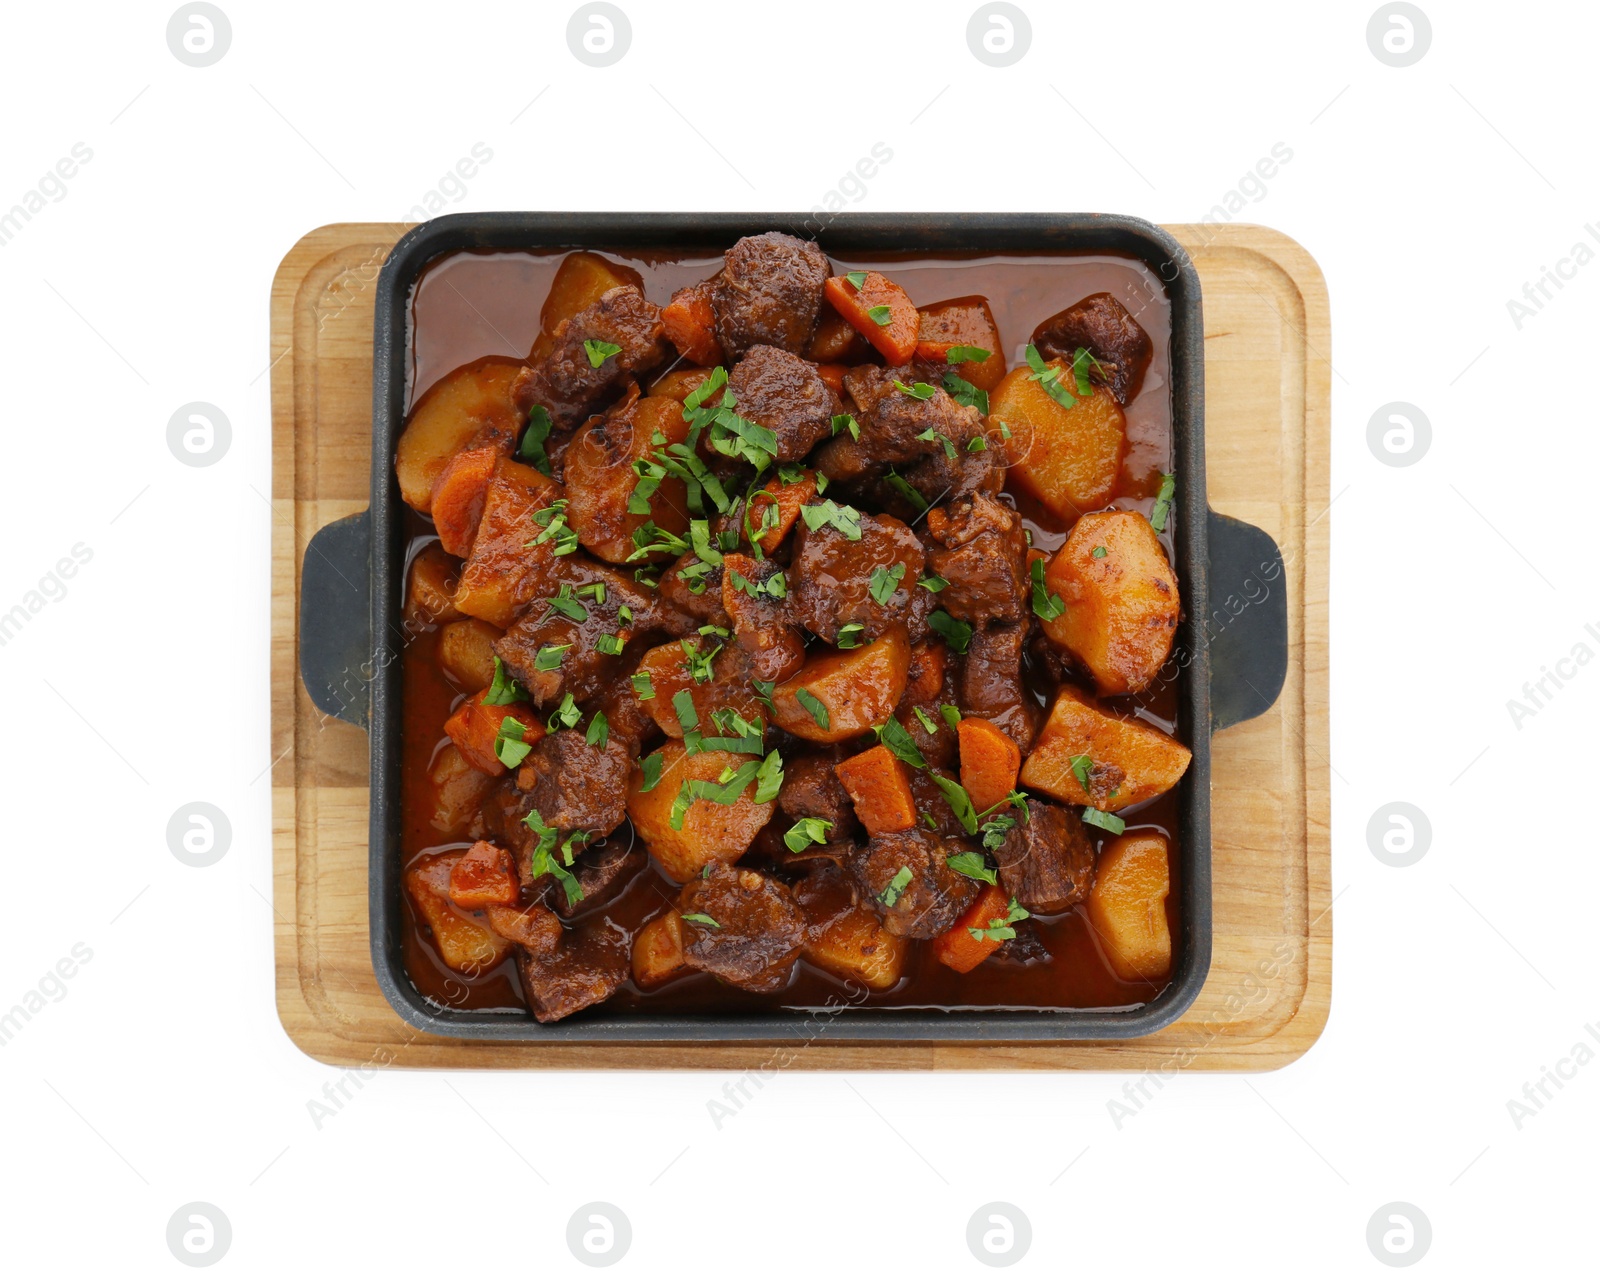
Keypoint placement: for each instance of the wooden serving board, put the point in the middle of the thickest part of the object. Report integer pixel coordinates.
(1267, 997)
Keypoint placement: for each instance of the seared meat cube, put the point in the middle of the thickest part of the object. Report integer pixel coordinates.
(928, 896)
(832, 577)
(1046, 859)
(587, 967)
(625, 714)
(811, 788)
(1101, 325)
(742, 927)
(780, 391)
(1026, 948)
(576, 786)
(924, 441)
(991, 682)
(697, 593)
(602, 871)
(761, 621)
(769, 292)
(982, 554)
(565, 612)
(567, 383)
(933, 809)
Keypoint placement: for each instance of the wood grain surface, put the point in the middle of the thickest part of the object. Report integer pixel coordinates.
(1267, 421)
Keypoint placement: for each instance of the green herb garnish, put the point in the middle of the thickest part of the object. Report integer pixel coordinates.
(1104, 820)
(971, 865)
(806, 831)
(815, 708)
(891, 894)
(1158, 514)
(1047, 604)
(600, 350)
(503, 690)
(957, 634)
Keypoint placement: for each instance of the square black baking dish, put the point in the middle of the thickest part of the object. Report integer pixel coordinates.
(1232, 665)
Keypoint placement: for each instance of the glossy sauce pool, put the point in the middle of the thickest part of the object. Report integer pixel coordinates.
(470, 305)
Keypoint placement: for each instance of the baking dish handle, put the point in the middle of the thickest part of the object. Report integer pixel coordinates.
(336, 620)
(1248, 624)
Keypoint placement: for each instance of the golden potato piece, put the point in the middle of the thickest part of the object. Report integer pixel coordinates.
(459, 790)
(431, 587)
(1122, 604)
(1127, 907)
(466, 652)
(581, 279)
(679, 383)
(856, 947)
(506, 570)
(472, 399)
(600, 478)
(1128, 760)
(711, 831)
(465, 942)
(1066, 458)
(658, 950)
(857, 689)
(668, 668)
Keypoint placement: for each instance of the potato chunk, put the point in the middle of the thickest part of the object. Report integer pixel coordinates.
(845, 938)
(431, 588)
(466, 652)
(459, 790)
(854, 690)
(581, 279)
(710, 831)
(1127, 907)
(1128, 760)
(667, 665)
(506, 569)
(473, 401)
(1121, 597)
(1066, 458)
(600, 478)
(465, 942)
(658, 950)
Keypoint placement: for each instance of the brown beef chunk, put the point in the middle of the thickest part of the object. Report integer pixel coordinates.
(923, 442)
(587, 967)
(991, 682)
(1101, 325)
(831, 575)
(576, 786)
(934, 897)
(602, 871)
(1046, 859)
(1026, 949)
(698, 594)
(811, 788)
(983, 555)
(755, 932)
(780, 391)
(769, 292)
(566, 384)
(584, 668)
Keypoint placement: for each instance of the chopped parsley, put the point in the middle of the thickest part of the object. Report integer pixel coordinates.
(566, 605)
(600, 350)
(611, 644)
(1082, 360)
(704, 920)
(933, 583)
(906, 491)
(885, 582)
(1049, 378)
(775, 587)
(1104, 820)
(769, 778)
(599, 731)
(933, 434)
(958, 799)
(643, 687)
(922, 392)
(841, 422)
(965, 353)
(857, 278)
(881, 315)
(846, 520)
(976, 444)
(891, 894)
(683, 707)
(957, 634)
(566, 715)
(849, 636)
(1047, 604)
(805, 832)
(1082, 766)
(966, 393)
(531, 448)
(650, 770)
(951, 715)
(724, 792)
(814, 708)
(971, 865)
(554, 529)
(509, 746)
(544, 856)
(1158, 514)
(929, 726)
(503, 690)
(1001, 928)
(1098, 553)
(892, 733)
(549, 656)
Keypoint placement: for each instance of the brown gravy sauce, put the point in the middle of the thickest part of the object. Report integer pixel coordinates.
(469, 305)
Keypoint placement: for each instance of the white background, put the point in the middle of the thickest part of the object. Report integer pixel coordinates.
(1429, 194)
